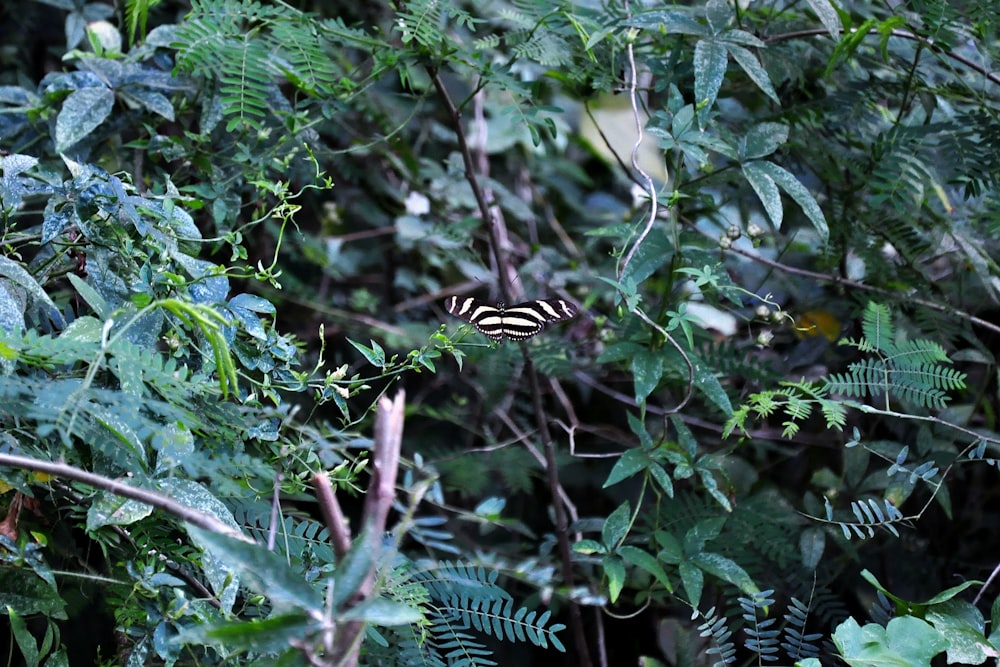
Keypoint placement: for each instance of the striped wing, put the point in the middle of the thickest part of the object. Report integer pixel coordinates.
(518, 322)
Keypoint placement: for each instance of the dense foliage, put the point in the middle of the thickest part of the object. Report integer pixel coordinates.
(237, 425)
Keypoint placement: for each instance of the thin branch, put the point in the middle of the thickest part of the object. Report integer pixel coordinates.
(853, 284)
(562, 526)
(153, 498)
(993, 77)
(485, 208)
(333, 516)
(651, 190)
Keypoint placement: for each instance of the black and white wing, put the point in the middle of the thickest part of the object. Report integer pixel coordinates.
(517, 322)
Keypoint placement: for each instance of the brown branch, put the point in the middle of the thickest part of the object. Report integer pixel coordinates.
(333, 516)
(485, 209)
(154, 498)
(853, 284)
(378, 502)
(562, 526)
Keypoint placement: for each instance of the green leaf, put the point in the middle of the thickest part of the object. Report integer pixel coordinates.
(767, 191)
(647, 562)
(708, 384)
(270, 634)
(28, 595)
(110, 509)
(354, 567)
(669, 22)
(90, 295)
(614, 570)
(637, 427)
(963, 625)
(616, 526)
(380, 611)
(263, 571)
(84, 329)
(725, 569)
(196, 496)
(906, 641)
(702, 532)
(589, 547)
(656, 251)
(710, 60)
(17, 274)
(628, 464)
(762, 140)
(671, 549)
(828, 16)
(753, 69)
(647, 370)
(82, 112)
(23, 637)
(375, 355)
(812, 543)
(719, 14)
(797, 192)
(693, 580)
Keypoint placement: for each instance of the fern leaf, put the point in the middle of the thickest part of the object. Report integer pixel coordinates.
(877, 326)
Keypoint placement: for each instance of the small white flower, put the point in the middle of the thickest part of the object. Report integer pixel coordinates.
(417, 204)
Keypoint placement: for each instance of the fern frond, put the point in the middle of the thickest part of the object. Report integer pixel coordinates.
(717, 628)
(870, 515)
(877, 326)
(910, 370)
(762, 640)
(797, 643)
(423, 22)
(302, 58)
(915, 353)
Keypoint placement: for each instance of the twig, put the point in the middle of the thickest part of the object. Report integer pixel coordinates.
(853, 284)
(651, 189)
(993, 77)
(562, 526)
(148, 496)
(485, 209)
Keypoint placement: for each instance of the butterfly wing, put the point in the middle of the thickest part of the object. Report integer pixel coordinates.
(527, 319)
(518, 322)
(487, 319)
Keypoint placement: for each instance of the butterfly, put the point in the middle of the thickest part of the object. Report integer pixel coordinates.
(517, 322)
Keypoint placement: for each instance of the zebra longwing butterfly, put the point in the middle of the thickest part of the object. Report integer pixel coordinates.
(517, 322)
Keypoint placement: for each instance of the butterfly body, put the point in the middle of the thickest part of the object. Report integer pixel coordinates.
(517, 322)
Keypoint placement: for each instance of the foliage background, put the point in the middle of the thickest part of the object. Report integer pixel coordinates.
(229, 228)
